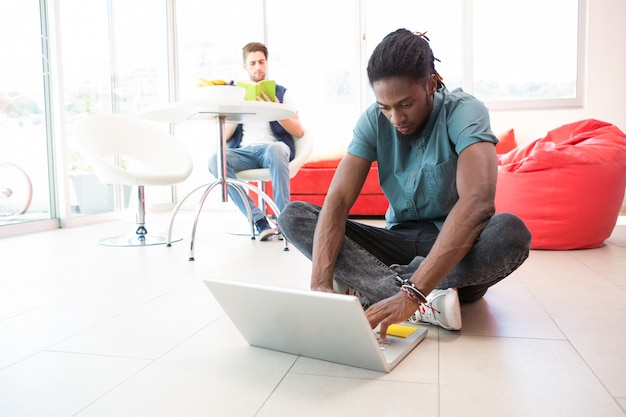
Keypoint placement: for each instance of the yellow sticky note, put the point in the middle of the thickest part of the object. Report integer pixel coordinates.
(400, 331)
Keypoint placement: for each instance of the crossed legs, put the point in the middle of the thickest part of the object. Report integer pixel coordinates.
(372, 257)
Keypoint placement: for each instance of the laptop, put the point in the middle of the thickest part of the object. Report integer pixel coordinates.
(330, 327)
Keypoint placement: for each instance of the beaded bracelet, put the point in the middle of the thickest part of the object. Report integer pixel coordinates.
(413, 293)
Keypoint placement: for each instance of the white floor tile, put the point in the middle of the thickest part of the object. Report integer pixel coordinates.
(151, 329)
(31, 332)
(213, 373)
(55, 384)
(483, 376)
(599, 335)
(509, 309)
(314, 395)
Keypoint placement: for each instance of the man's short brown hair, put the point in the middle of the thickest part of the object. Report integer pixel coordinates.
(254, 47)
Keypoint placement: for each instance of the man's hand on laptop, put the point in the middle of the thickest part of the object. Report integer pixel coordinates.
(394, 309)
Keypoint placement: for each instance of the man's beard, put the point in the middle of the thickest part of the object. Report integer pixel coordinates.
(409, 139)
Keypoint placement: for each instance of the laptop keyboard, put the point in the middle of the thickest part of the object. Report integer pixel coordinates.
(384, 345)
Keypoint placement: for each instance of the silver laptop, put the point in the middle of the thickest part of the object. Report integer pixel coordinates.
(318, 325)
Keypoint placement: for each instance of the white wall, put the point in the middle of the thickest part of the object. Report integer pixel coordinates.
(605, 79)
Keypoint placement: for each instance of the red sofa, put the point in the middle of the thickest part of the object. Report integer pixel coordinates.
(312, 182)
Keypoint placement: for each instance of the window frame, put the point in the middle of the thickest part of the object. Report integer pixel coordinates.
(468, 83)
(526, 104)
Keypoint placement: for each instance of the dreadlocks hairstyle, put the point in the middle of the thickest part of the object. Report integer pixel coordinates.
(254, 47)
(403, 54)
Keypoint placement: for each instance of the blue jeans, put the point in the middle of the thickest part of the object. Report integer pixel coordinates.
(372, 257)
(274, 156)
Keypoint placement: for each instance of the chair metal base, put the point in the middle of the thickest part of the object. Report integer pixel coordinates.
(140, 237)
(241, 187)
(133, 239)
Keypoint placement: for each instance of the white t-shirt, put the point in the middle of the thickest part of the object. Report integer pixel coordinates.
(255, 133)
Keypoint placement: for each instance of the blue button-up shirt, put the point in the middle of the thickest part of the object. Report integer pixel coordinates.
(419, 179)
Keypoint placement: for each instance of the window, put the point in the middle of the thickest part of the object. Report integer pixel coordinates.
(508, 54)
(441, 20)
(110, 67)
(210, 39)
(314, 51)
(525, 51)
(23, 115)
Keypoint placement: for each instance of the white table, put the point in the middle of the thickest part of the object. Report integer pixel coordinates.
(239, 111)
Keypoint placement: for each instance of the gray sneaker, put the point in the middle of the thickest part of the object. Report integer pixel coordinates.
(443, 309)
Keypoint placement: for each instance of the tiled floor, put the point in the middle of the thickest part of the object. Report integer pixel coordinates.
(88, 330)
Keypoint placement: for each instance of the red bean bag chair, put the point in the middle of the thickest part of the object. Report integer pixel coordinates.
(568, 187)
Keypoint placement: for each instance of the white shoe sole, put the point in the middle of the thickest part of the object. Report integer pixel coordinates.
(266, 234)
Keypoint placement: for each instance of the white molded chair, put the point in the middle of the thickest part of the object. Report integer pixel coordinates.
(303, 148)
(152, 157)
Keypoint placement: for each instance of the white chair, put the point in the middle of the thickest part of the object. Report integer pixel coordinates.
(150, 156)
(303, 148)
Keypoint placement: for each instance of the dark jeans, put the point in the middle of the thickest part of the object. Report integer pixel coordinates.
(372, 257)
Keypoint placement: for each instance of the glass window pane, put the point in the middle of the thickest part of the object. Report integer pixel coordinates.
(87, 82)
(441, 20)
(85, 56)
(314, 51)
(210, 42)
(23, 140)
(140, 67)
(525, 50)
(140, 56)
(209, 45)
(110, 66)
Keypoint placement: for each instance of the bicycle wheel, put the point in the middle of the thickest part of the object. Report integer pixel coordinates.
(16, 190)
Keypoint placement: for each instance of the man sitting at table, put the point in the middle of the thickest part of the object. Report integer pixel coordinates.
(261, 145)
